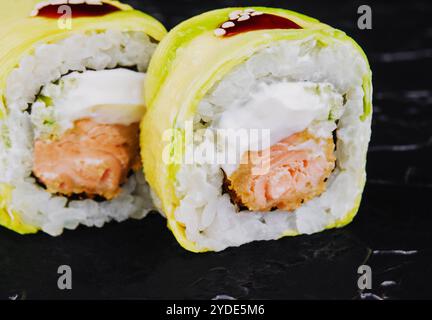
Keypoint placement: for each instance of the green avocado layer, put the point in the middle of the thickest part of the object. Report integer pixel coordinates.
(187, 64)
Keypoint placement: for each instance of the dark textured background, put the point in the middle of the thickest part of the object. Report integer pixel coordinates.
(392, 232)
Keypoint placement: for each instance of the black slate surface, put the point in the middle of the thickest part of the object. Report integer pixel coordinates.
(392, 232)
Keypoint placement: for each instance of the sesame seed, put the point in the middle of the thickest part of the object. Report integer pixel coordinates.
(228, 24)
(57, 2)
(41, 5)
(94, 2)
(249, 10)
(219, 32)
(256, 13)
(238, 12)
(243, 17)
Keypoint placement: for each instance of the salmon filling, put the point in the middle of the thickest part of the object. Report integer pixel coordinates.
(297, 170)
(91, 158)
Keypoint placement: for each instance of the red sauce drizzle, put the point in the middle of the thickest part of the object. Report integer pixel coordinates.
(260, 22)
(78, 10)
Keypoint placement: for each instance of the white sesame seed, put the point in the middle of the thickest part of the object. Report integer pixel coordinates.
(249, 10)
(34, 13)
(41, 5)
(94, 2)
(228, 24)
(256, 13)
(58, 2)
(233, 16)
(243, 17)
(219, 32)
(238, 12)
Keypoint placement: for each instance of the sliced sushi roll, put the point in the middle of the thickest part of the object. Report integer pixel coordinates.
(72, 96)
(257, 127)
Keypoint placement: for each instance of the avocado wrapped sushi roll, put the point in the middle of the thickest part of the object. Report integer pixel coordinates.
(71, 85)
(235, 70)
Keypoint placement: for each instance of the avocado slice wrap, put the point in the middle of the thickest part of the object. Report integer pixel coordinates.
(188, 63)
(23, 28)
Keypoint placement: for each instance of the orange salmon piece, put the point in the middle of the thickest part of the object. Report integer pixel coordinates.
(298, 170)
(91, 159)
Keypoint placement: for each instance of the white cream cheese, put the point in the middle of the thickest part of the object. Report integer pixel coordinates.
(113, 96)
(274, 112)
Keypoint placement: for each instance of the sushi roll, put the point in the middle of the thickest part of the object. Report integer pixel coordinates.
(71, 85)
(257, 127)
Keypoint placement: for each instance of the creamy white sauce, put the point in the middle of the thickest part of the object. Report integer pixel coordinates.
(108, 96)
(274, 112)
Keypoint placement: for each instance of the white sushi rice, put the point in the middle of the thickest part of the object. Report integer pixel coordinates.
(79, 52)
(211, 220)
